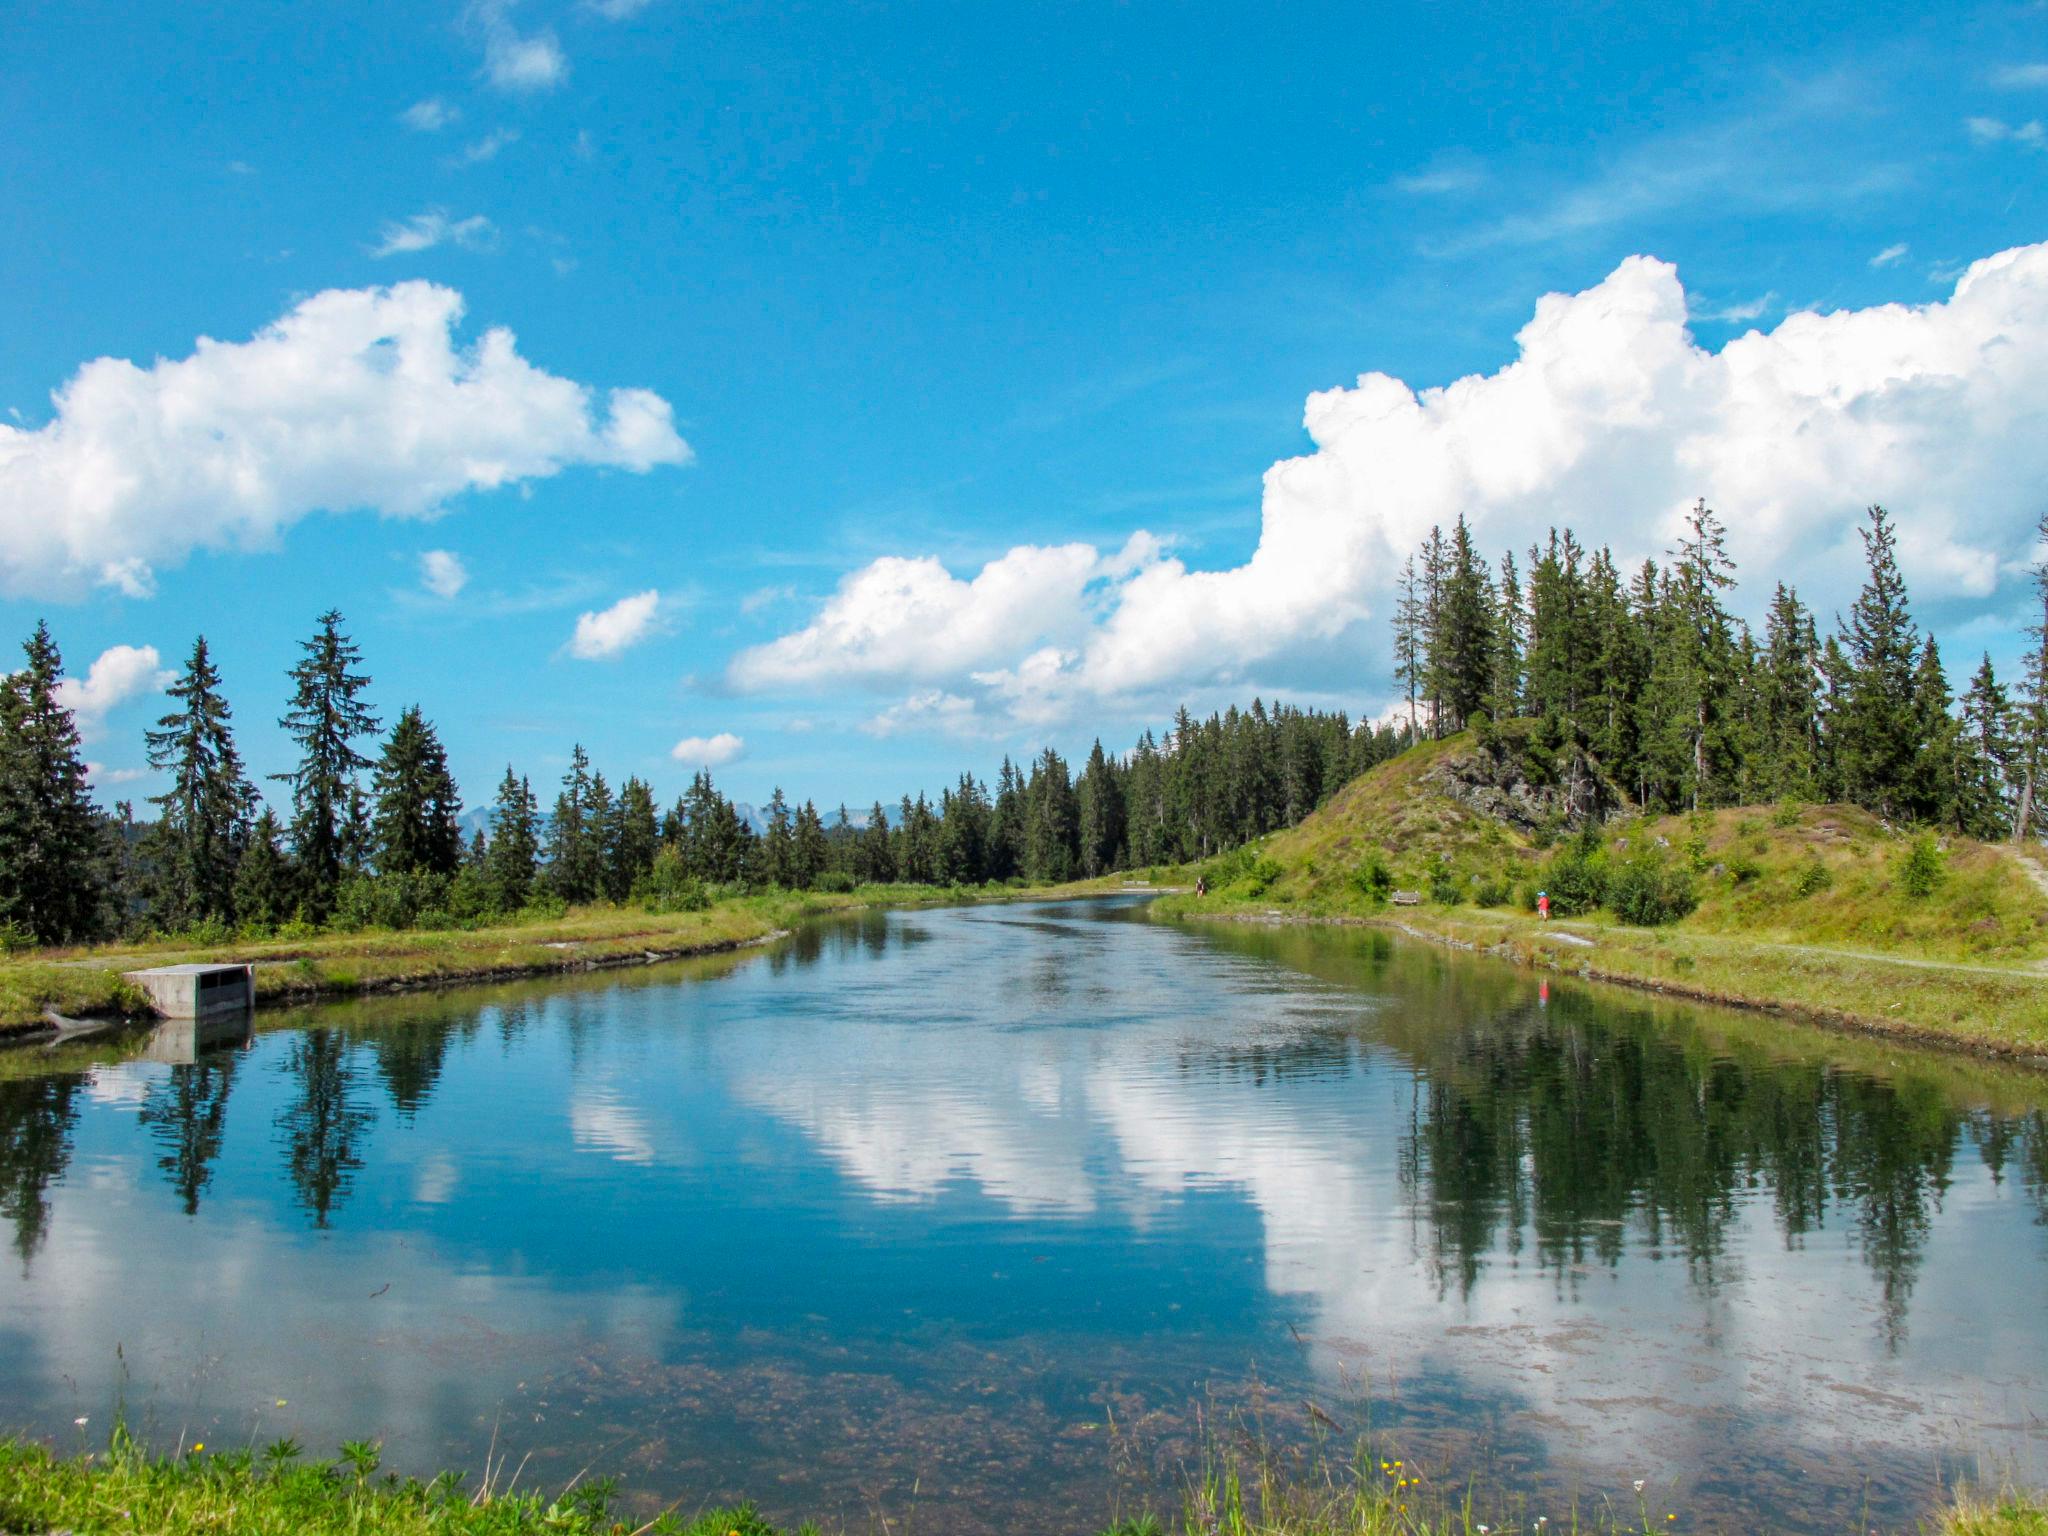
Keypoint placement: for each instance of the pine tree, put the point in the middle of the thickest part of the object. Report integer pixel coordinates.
(52, 882)
(1510, 642)
(603, 832)
(1880, 733)
(809, 853)
(326, 717)
(2031, 745)
(1694, 668)
(877, 860)
(638, 838)
(205, 814)
(513, 852)
(1789, 686)
(778, 844)
(574, 833)
(416, 826)
(265, 890)
(1408, 640)
(1101, 813)
(1462, 655)
(1984, 799)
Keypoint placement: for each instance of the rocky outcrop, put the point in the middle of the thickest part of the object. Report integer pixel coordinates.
(1528, 790)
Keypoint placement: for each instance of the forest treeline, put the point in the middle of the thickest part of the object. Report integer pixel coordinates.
(1653, 675)
(1687, 708)
(369, 829)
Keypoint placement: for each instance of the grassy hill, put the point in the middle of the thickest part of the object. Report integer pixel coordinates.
(1822, 909)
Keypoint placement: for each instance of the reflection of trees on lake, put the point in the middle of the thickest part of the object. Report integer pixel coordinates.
(1552, 1128)
(186, 1114)
(324, 1123)
(410, 1054)
(36, 1118)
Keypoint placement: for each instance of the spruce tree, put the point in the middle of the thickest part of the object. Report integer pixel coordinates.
(52, 881)
(877, 861)
(416, 827)
(808, 852)
(513, 852)
(265, 891)
(778, 844)
(204, 816)
(1984, 807)
(1880, 734)
(574, 860)
(1789, 686)
(2030, 748)
(638, 837)
(326, 716)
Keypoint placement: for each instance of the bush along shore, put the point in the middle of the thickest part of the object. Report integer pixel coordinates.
(279, 1492)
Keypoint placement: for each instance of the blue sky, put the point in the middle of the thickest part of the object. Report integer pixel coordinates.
(1034, 293)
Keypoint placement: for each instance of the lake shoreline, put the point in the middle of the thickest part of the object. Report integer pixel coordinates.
(41, 996)
(1558, 948)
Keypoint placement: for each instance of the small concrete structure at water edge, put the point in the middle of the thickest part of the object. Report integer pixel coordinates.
(197, 991)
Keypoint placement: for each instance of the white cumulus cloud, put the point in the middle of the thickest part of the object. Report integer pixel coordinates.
(357, 399)
(118, 674)
(611, 630)
(443, 573)
(1611, 418)
(708, 751)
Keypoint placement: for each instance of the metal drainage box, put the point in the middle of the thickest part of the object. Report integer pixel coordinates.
(197, 991)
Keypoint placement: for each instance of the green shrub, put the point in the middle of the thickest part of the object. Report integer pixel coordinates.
(543, 907)
(1813, 878)
(1922, 867)
(1494, 891)
(1647, 891)
(1444, 887)
(207, 933)
(670, 887)
(15, 939)
(388, 901)
(1372, 879)
(837, 881)
(1575, 878)
(1743, 869)
(1787, 813)
(1262, 876)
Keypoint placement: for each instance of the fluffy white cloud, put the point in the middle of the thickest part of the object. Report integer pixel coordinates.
(443, 573)
(1610, 418)
(929, 709)
(708, 751)
(429, 116)
(611, 630)
(424, 231)
(911, 618)
(359, 398)
(120, 673)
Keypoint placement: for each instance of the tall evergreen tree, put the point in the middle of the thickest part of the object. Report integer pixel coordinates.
(778, 843)
(638, 837)
(52, 882)
(266, 892)
(1880, 734)
(575, 834)
(205, 814)
(512, 855)
(416, 827)
(326, 716)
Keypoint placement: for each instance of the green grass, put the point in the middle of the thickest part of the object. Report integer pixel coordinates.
(87, 981)
(197, 1492)
(1802, 908)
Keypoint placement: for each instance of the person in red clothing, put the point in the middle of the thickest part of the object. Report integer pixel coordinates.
(1543, 905)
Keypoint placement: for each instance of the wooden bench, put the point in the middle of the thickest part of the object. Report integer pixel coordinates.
(1407, 898)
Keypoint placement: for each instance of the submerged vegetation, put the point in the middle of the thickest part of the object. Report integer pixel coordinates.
(280, 1493)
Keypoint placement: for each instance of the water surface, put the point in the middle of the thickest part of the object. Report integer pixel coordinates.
(987, 1216)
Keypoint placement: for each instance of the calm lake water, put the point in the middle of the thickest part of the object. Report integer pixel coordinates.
(987, 1217)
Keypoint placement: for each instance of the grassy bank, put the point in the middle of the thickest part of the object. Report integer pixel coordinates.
(1810, 909)
(200, 1493)
(85, 983)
